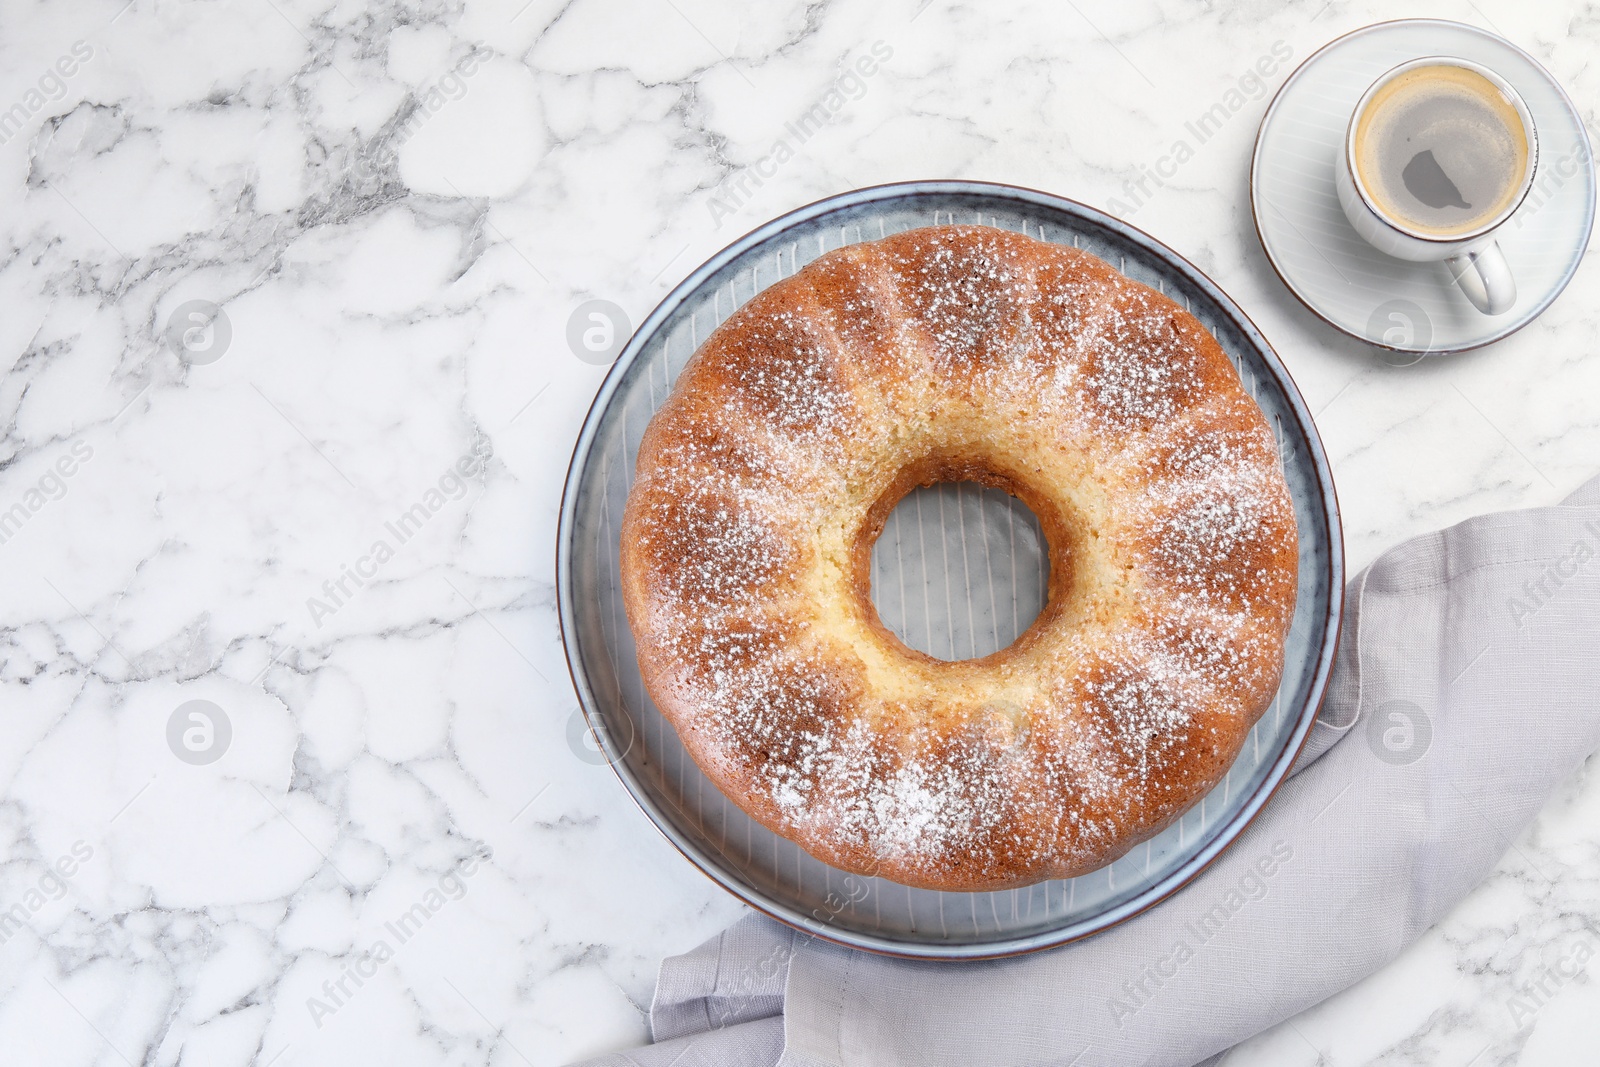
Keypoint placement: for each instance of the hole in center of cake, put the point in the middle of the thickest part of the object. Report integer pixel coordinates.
(960, 570)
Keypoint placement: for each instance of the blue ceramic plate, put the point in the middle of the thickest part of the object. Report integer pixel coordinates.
(765, 870)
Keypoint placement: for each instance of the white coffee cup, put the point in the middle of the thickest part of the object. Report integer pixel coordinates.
(1473, 255)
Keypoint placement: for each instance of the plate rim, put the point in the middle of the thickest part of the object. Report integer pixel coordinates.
(1377, 27)
(1192, 866)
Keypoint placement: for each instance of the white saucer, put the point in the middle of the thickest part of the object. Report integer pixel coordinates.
(1390, 303)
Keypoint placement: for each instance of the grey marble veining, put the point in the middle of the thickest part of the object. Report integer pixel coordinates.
(327, 512)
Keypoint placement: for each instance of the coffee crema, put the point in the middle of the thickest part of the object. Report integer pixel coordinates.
(1441, 151)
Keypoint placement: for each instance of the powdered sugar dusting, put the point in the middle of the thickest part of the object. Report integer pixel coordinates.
(971, 777)
(970, 293)
(778, 361)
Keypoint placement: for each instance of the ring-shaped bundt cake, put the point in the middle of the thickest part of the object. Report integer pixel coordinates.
(945, 354)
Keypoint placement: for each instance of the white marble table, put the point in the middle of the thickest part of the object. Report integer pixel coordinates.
(330, 514)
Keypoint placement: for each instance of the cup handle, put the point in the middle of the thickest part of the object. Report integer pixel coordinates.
(1485, 278)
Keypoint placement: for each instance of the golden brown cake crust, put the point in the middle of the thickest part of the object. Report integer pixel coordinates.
(960, 353)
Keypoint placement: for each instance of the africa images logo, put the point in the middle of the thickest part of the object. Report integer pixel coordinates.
(1251, 84)
(450, 886)
(1251, 886)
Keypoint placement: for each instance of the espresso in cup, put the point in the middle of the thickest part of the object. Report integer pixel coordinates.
(1441, 151)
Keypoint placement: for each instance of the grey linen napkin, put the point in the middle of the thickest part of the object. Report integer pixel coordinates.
(1465, 692)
